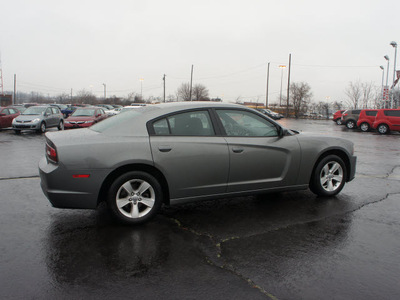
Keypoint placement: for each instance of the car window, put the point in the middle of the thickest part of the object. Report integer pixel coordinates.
(245, 123)
(371, 113)
(55, 110)
(194, 123)
(392, 113)
(12, 111)
(5, 111)
(48, 111)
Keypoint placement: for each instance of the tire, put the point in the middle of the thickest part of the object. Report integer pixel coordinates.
(329, 176)
(383, 129)
(351, 124)
(364, 127)
(338, 121)
(17, 131)
(135, 197)
(42, 128)
(61, 125)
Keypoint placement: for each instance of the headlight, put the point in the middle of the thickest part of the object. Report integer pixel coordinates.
(88, 122)
(35, 120)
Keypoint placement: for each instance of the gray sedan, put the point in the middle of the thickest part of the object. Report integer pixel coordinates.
(173, 153)
(38, 118)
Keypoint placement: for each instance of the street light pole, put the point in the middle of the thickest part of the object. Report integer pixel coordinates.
(387, 77)
(141, 88)
(394, 45)
(383, 76)
(280, 97)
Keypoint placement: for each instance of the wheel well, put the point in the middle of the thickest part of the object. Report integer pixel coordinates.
(133, 167)
(339, 153)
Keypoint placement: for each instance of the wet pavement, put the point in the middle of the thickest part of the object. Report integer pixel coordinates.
(279, 246)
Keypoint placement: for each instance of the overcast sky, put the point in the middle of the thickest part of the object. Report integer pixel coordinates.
(54, 46)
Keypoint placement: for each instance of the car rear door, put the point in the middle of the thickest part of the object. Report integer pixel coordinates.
(259, 157)
(194, 160)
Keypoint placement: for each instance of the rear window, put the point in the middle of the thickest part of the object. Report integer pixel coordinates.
(392, 113)
(115, 120)
(356, 112)
(371, 113)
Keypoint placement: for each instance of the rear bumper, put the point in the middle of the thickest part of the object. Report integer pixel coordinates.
(64, 191)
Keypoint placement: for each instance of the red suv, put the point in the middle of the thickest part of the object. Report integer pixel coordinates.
(366, 119)
(387, 120)
(337, 117)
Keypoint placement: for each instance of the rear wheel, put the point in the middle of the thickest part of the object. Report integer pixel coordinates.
(351, 124)
(329, 176)
(383, 128)
(61, 125)
(135, 197)
(364, 127)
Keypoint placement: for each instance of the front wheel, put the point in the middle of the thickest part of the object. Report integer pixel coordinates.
(135, 197)
(364, 127)
(329, 176)
(42, 128)
(383, 129)
(339, 121)
(351, 124)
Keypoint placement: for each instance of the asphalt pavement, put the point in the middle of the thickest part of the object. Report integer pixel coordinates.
(290, 245)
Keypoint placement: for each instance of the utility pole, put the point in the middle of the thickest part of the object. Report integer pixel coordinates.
(164, 87)
(266, 97)
(288, 85)
(71, 96)
(105, 95)
(191, 82)
(15, 89)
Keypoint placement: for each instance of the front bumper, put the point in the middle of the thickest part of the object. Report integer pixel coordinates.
(352, 168)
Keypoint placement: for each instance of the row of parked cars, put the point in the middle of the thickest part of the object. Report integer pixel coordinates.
(40, 117)
(383, 120)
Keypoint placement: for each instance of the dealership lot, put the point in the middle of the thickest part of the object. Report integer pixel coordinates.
(280, 246)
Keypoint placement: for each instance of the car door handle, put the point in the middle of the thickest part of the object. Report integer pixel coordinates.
(237, 150)
(164, 148)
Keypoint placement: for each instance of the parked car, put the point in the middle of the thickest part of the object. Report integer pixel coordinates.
(387, 120)
(337, 117)
(366, 119)
(19, 107)
(176, 152)
(350, 118)
(66, 110)
(130, 107)
(270, 113)
(85, 117)
(38, 118)
(7, 114)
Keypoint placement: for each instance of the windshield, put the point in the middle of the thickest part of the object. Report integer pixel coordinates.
(34, 110)
(83, 112)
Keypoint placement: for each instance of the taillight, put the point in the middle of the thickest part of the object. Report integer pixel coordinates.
(345, 115)
(51, 153)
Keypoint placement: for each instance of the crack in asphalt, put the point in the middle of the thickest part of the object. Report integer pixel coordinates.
(382, 176)
(20, 177)
(230, 268)
(223, 266)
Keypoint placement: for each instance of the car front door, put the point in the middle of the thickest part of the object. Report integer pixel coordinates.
(193, 159)
(260, 158)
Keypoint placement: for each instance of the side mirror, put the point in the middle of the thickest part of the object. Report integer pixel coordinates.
(282, 131)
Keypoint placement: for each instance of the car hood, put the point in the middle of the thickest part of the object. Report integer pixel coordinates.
(28, 117)
(77, 119)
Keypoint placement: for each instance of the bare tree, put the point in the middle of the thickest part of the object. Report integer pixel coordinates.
(183, 92)
(300, 96)
(86, 97)
(354, 94)
(200, 93)
(367, 89)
